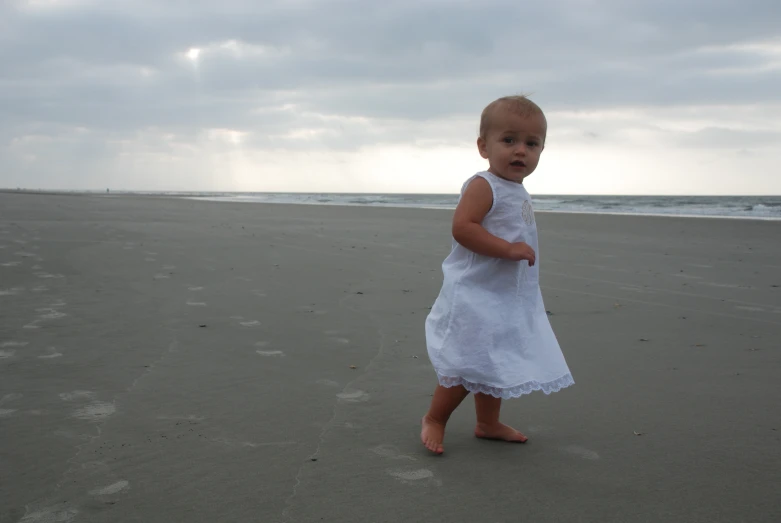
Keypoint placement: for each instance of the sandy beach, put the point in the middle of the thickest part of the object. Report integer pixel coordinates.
(176, 360)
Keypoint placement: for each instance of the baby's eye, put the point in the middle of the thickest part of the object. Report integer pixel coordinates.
(532, 143)
(509, 139)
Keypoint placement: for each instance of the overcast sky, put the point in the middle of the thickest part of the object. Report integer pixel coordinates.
(642, 96)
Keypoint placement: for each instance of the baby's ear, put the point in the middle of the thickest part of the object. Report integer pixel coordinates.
(481, 147)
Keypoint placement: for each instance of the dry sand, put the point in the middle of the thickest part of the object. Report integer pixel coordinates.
(171, 360)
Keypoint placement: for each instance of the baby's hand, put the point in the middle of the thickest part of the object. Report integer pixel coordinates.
(521, 251)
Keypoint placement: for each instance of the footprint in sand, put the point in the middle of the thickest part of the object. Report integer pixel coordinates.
(415, 477)
(7, 344)
(341, 341)
(581, 452)
(77, 395)
(10, 264)
(51, 353)
(11, 292)
(51, 313)
(390, 452)
(267, 352)
(8, 398)
(253, 323)
(5, 354)
(48, 276)
(55, 514)
(114, 488)
(355, 396)
(270, 352)
(97, 411)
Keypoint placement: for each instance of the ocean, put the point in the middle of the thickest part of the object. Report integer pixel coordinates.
(739, 207)
(746, 207)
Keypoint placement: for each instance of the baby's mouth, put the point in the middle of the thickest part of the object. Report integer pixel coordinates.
(518, 163)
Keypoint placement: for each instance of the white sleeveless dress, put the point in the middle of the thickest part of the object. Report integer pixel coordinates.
(488, 329)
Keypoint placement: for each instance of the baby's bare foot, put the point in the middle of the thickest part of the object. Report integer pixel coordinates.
(499, 431)
(432, 434)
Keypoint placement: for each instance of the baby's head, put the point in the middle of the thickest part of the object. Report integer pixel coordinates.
(519, 105)
(512, 136)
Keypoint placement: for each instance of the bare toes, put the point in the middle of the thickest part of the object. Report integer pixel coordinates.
(431, 435)
(500, 432)
(519, 437)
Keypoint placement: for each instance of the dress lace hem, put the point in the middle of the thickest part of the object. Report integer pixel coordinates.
(511, 392)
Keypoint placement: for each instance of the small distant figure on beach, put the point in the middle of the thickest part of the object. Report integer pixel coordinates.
(488, 332)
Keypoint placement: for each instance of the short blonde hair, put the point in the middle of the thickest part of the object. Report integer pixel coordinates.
(520, 104)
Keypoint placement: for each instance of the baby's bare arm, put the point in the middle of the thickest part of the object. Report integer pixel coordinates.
(469, 231)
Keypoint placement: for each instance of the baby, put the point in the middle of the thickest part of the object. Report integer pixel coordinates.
(488, 332)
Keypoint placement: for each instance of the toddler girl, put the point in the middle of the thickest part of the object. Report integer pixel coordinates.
(488, 332)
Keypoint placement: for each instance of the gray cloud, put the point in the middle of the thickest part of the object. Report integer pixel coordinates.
(119, 68)
(714, 137)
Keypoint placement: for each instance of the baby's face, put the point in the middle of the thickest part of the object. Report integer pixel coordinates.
(513, 144)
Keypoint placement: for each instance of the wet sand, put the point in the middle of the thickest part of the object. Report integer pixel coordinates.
(174, 360)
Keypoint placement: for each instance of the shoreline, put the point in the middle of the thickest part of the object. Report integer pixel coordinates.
(220, 200)
(128, 192)
(536, 211)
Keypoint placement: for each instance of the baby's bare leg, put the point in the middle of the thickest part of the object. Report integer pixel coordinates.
(444, 402)
(488, 426)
